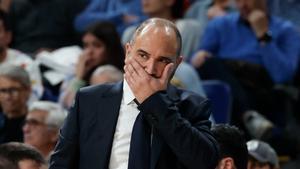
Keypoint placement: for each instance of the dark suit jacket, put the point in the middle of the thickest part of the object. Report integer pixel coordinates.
(181, 136)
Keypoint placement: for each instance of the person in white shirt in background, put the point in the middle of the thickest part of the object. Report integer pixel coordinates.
(17, 58)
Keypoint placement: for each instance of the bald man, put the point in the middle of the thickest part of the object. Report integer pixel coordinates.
(142, 122)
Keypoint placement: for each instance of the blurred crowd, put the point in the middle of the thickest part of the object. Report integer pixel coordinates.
(49, 49)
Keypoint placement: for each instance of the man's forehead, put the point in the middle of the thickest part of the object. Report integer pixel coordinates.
(37, 114)
(159, 31)
(9, 81)
(156, 30)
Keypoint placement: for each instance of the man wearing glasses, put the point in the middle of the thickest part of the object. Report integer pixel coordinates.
(41, 127)
(15, 89)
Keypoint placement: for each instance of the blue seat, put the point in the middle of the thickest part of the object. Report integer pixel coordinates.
(219, 93)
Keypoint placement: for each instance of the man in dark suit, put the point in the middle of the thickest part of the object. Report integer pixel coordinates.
(100, 131)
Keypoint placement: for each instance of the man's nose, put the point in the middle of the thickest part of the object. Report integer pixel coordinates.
(150, 67)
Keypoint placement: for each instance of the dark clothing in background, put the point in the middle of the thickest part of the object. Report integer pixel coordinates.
(40, 24)
(11, 129)
(252, 88)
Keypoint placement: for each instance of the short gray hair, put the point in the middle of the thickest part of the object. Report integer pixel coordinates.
(114, 73)
(56, 113)
(160, 23)
(15, 73)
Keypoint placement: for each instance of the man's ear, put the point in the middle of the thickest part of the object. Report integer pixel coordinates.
(127, 49)
(179, 60)
(226, 163)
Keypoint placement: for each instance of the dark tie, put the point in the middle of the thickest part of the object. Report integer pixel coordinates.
(139, 153)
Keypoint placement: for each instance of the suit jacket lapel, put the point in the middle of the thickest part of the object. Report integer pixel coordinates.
(113, 99)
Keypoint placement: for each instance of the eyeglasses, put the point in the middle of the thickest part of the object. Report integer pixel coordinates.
(33, 122)
(13, 91)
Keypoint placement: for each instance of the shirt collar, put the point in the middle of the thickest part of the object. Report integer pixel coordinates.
(128, 95)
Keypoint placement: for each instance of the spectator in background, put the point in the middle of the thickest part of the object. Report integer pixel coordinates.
(15, 89)
(232, 145)
(289, 9)
(42, 124)
(101, 45)
(22, 155)
(122, 13)
(253, 51)
(8, 55)
(172, 10)
(5, 4)
(218, 8)
(204, 10)
(105, 74)
(261, 155)
(187, 78)
(15, 57)
(40, 25)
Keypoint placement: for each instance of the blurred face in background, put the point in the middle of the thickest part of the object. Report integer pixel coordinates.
(30, 164)
(156, 7)
(94, 49)
(13, 97)
(37, 133)
(100, 79)
(247, 6)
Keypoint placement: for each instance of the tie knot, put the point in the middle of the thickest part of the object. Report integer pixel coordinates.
(136, 102)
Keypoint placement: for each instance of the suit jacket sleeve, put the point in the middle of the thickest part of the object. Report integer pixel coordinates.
(66, 153)
(184, 127)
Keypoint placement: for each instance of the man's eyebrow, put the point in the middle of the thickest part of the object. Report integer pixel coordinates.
(142, 51)
(166, 57)
(160, 57)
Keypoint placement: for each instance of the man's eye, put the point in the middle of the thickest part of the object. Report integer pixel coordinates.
(143, 56)
(166, 61)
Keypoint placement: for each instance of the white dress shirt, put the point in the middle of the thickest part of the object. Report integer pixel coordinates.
(121, 143)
